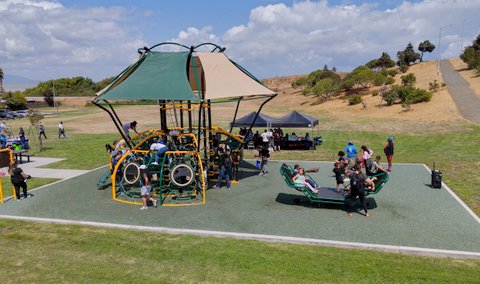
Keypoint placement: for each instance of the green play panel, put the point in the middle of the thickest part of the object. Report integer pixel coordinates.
(409, 212)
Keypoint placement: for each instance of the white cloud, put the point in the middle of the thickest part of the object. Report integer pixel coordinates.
(281, 39)
(44, 38)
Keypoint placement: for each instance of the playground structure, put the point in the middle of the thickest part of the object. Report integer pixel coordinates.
(184, 85)
(327, 194)
(6, 159)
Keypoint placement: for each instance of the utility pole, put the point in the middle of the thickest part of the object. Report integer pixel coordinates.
(439, 41)
(54, 101)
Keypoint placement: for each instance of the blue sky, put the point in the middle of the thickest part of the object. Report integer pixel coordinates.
(43, 39)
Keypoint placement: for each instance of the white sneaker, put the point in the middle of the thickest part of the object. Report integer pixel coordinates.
(154, 203)
(143, 208)
(155, 163)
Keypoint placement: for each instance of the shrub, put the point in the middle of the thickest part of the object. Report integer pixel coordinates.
(300, 82)
(389, 81)
(403, 68)
(408, 80)
(433, 86)
(389, 72)
(407, 95)
(354, 100)
(375, 93)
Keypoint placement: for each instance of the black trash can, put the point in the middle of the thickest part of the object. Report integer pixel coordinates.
(436, 178)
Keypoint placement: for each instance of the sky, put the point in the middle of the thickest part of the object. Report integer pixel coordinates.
(46, 39)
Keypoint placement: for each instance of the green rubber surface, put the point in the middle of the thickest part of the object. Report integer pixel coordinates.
(408, 213)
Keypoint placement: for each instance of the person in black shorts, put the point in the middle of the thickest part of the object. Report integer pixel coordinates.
(357, 187)
(339, 172)
(19, 180)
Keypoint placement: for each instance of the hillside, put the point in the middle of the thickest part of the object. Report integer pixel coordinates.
(440, 114)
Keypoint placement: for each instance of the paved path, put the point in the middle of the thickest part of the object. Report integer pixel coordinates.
(33, 168)
(467, 101)
(409, 212)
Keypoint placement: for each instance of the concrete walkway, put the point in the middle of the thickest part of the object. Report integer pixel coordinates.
(467, 101)
(33, 168)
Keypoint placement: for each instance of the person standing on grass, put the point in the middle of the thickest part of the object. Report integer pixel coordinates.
(146, 177)
(41, 131)
(61, 130)
(19, 180)
(389, 150)
(23, 141)
(351, 151)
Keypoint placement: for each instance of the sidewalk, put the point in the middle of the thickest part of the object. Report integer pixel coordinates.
(33, 168)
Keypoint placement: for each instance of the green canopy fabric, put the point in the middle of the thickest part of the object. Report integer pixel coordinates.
(156, 76)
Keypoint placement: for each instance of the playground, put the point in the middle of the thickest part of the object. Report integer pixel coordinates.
(410, 216)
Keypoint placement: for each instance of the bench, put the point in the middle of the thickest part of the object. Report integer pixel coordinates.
(20, 154)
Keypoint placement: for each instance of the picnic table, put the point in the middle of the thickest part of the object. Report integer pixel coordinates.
(19, 154)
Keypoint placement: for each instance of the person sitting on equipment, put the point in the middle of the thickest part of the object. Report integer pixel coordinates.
(160, 147)
(301, 180)
(376, 167)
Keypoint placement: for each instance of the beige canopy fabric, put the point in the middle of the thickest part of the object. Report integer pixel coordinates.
(224, 80)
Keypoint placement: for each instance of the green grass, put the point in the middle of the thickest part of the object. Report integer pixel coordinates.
(55, 253)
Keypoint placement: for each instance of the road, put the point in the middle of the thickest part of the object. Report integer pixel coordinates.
(468, 103)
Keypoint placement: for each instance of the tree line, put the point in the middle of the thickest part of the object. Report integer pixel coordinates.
(326, 84)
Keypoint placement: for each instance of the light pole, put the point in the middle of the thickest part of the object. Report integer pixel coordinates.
(438, 53)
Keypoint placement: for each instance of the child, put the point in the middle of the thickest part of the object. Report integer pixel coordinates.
(339, 171)
(300, 179)
(146, 177)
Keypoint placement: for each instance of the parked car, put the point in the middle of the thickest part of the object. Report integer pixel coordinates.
(20, 113)
(6, 114)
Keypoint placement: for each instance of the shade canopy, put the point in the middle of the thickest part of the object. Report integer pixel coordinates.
(296, 119)
(261, 121)
(155, 76)
(163, 76)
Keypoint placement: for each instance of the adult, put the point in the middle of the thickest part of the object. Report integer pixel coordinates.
(146, 178)
(376, 168)
(130, 126)
(19, 180)
(23, 141)
(388, 150)
(41, 131)
(160, 149)
(357, 187)
(351, 151)
(276, 140)
(225, 165)
(3, 137)
(265, 139)
(264, 154)
(61, 130)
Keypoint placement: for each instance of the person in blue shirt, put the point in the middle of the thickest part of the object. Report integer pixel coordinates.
(351, 151)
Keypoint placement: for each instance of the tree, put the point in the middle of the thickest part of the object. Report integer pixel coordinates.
(471, 55)
(48, 97)
(325, 88)
(381, 63)
(362, 77)
(407, 56)
(425, 46)
(15, 101)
